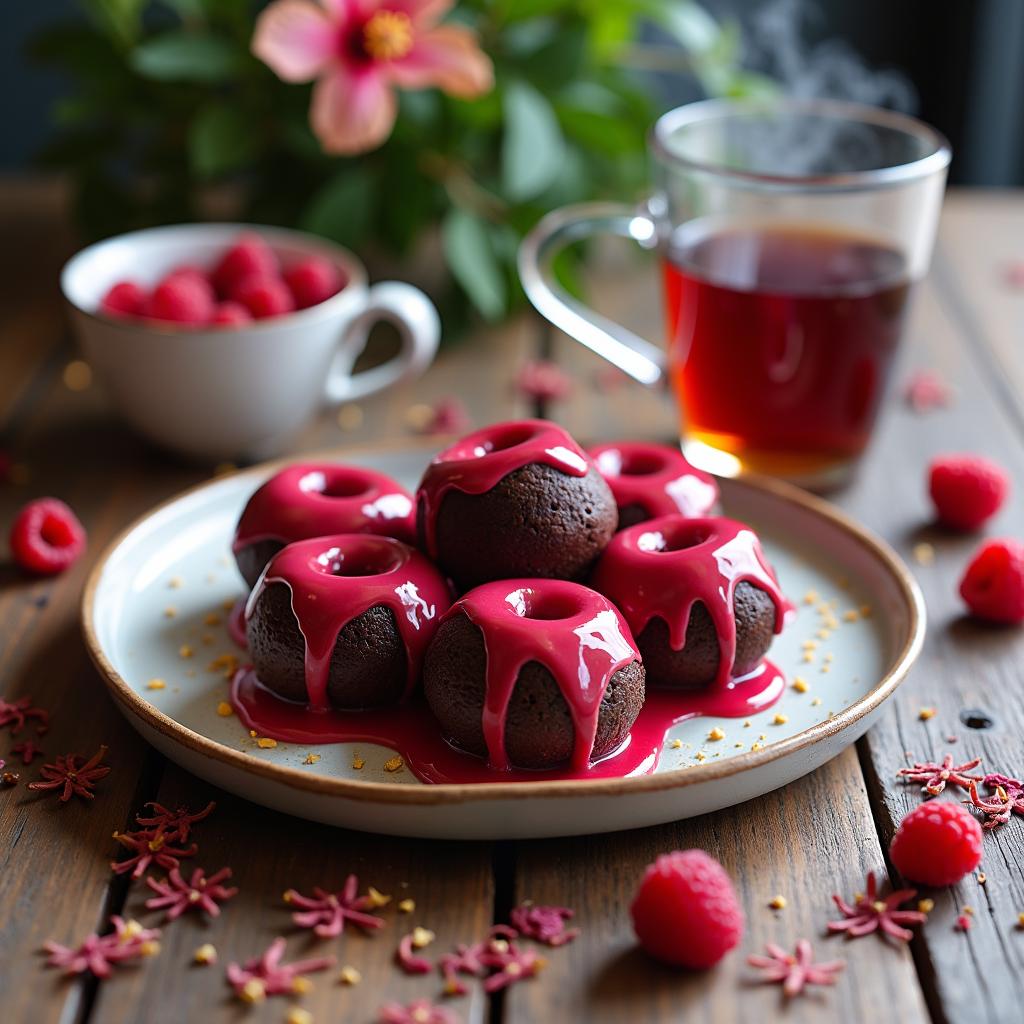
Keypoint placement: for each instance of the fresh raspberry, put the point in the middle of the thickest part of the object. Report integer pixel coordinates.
(685, 911)
(312, 281)
(191, 272)
(231, 314)
(249, 257)
(184, 300)
(993, 585)
(265, 296)
(937, 843)
(46, 537)
(966, 490)
(126, 298)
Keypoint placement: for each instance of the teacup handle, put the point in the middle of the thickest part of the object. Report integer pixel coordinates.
(628, 351)
(419, 329)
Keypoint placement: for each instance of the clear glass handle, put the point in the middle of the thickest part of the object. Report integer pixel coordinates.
(628, 351)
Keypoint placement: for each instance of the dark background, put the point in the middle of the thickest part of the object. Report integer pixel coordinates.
(963, 58)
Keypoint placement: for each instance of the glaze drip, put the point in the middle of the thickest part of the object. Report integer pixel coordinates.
(664, 566)
(479, 461)
(314, 499)
(575, 633)
(656, 478)
(334, 579)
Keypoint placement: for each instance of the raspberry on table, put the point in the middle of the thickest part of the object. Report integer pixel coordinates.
(993, 585)
(124, 299)
(181, 299)
(249, 257)
(265, 297)
(231, 314)
(937, 843)
(685, 911)
(312, 281)
(966, 490)
(46, 537)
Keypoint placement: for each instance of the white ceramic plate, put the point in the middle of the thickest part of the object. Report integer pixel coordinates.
(154, 609)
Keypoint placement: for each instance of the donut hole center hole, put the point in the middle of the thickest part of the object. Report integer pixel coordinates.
(366, 560)
(531, 604)
(510, 437)
(343, 484)
(640, 463)
(673, 538)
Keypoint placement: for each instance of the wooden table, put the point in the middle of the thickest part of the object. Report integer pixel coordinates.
(811, 839)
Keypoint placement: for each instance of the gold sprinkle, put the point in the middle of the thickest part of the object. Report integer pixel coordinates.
(311, 759)
(824, 634)
(925, 713)
(224, 709)
(780, 718)
(826, 668)
(185, 651)
(176, 583)
(924, 554)
(737, 745)
(394, 764)
(800, 684)
(266, 743)
(1020, 919)
(810, 645)
(212, 619)
(348, 975)
(350, 417)
(865, 611)
(252, 733)
(77, 376)
(150, 948)
(969, 911)
(716, 734)
(297, 1015)
(421, 937)
(746, 724)
(762, 736)
(777, 902)
(170, 612)
(225, 664)
(419, 416)
(810, 597)
(156, 684)
(830, 657)
(357, 762)
(205, 954)
(830, 622)
(757, 746)
(407, 906)
(816, 702)
(700, 756)
(300, 985)
(676, 744)
(982, 878)
(376, 898)
(228, 605)
(253, 991)
(926, 906)
(808, 658)
(852, 615)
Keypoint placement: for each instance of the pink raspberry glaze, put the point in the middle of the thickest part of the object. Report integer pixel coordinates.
(313, 499)
(663, 567)
(480, 460)
(655, 477)
(579, 636)
(335, 579)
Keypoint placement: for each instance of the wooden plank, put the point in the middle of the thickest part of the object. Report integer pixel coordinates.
(805, 842)
(965, 665)
(451, 885)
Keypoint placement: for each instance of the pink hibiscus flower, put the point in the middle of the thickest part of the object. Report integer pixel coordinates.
(358, 50)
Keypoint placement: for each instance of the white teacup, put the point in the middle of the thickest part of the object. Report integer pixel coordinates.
(224, 392)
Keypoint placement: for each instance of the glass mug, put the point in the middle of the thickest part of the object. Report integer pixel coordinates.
(789, 233)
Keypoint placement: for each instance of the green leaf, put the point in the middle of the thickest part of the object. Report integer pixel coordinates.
(341, 210)
(121, 19)
(186, 57)
(472, 259)
(691, 25)
(220, 139)
(532, 147)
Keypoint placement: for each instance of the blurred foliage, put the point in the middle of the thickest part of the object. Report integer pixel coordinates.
(166, 105)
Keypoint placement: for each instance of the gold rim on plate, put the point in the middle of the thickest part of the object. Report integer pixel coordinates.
(450, 793)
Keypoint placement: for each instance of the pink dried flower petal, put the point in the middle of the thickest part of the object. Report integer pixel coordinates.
(272, 976)
(963, 923)
(326, 912)
(795, 971)
(27, 750)
(148, 847)
(869, 913)
(935, 776)
(408, 960)
(422, 1011)
(996, 809)
(926, 390)
(544, 924)
(99, 953)
(71, 778)
(16, 712)
(543, 381)
(177, 823)
(175, 895)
